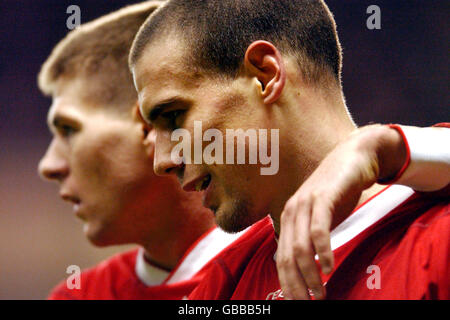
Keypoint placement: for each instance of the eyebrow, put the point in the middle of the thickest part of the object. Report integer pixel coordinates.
(56, 122)
(58, 119)
(159, 108)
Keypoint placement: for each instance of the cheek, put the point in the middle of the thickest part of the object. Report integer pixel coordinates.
(111, 160)
(217, 110)
(238, 113)
(90, 164)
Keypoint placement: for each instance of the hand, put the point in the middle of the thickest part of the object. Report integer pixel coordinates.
(325, 199)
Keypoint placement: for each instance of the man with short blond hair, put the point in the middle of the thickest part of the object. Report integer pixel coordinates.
(104, 170)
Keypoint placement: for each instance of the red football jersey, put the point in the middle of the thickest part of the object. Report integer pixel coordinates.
(245, 270)
(394, 246)
(128, 276)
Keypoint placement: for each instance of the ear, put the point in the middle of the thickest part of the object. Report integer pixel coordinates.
(264, 61)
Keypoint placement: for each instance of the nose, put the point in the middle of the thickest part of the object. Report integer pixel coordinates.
(53, 166)
(163, 163)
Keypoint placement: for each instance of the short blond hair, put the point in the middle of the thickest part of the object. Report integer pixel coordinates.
(98, 49)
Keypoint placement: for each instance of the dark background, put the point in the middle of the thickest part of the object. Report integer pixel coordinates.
(397, 74)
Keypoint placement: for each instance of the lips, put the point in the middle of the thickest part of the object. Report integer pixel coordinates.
(72, 199)
(203, 183)
(208, 187)
(197, 184)
(76, 208)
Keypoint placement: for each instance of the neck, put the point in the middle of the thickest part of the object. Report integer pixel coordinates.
(314, 124)
(189, 220)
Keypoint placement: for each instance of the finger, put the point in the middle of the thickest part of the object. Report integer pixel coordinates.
(321, 218)
(304, 252)
(291, 280)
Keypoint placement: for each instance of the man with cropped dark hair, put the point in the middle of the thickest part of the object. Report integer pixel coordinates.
(275, 66)
(308, 34)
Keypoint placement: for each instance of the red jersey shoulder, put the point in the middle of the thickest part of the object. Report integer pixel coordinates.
(227, 268)
(259, 281)
(442, 125)
(405, 256)
(429, 240)
(100, 281)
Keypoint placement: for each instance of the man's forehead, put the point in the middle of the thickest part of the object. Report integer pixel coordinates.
(60, 107)
(68, 104)
(156, 69)
(163, 62)
(161, 77)
(80, 93)
(153, 88)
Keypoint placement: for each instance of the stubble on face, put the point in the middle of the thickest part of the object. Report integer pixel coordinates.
(234, 217)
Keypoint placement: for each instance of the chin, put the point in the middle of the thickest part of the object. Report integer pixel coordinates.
(233, 217)
(99, 237)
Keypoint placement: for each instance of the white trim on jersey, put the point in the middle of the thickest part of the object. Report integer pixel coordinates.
(206, 249)
(147, 273)
(197, 257)
(429, 169)
(369, 213)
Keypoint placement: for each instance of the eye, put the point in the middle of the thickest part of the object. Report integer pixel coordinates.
(66, 130)
(173, 118)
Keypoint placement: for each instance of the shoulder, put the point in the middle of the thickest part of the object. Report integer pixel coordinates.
(426, 248)
(94, 282)
(420, 255)
(245, 248)
(431, 234)
(422, 218)
(226, 268)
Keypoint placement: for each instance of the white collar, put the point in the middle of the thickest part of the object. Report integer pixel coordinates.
(196, 257)
(205, 249)
(148, 273)
(369, 213)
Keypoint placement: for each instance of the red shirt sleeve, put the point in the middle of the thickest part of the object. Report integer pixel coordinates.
(439, 244)
(61, 292)
(443, 125)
